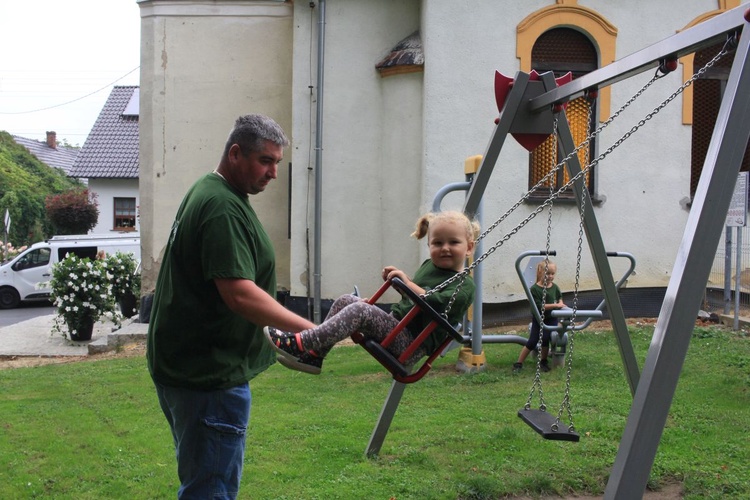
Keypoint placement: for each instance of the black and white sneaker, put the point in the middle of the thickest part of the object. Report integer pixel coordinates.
(291, 353)
(305, 363)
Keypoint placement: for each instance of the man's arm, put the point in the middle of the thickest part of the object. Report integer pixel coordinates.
(251, 302)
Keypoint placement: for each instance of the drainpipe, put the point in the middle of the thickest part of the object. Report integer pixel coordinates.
(318, 164)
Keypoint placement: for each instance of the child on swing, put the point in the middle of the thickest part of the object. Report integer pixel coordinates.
(552, 300)
(450, 237)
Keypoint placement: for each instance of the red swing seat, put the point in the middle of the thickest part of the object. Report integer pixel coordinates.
(379, 351)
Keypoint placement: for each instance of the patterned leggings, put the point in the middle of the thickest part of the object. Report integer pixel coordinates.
(351, 314)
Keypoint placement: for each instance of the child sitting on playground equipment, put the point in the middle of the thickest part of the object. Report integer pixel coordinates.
(543, 290)
(451, 236)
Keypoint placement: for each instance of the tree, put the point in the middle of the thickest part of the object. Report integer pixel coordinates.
(25, 182)
(72, 212)
(64, 142)
(27, 216)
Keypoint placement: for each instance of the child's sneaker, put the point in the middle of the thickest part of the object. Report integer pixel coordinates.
(544, 365)
(291, 353)
(287, 344)
(517, 367)
(305, 363)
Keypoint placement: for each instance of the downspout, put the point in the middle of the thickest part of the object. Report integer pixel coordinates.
(318, 164)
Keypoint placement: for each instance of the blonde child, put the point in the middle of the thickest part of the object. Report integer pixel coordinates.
(450, 238)
(552, 300)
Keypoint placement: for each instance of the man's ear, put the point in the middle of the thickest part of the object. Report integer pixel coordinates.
(234, 152)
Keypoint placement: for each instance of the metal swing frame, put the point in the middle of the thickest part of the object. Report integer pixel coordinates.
(530, 104)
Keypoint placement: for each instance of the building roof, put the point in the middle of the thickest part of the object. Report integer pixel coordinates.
(57, 157)
(111, 148)
(406, 57)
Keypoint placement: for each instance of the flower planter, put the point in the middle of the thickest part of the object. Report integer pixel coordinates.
(84, 332)
(128, 303)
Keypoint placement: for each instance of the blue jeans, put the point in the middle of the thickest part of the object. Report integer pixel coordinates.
(208, 428)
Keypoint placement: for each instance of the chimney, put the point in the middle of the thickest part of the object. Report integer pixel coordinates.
(52, 139)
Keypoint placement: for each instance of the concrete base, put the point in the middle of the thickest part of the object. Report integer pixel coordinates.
(469, 362)
(728, 320)
(133, 332)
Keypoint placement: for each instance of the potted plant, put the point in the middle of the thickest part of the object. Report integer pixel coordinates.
(82, 294)
(126, 281)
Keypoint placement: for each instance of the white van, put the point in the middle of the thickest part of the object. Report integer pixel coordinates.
(21, 276)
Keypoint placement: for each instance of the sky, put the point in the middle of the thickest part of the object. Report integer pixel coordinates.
(60, 60)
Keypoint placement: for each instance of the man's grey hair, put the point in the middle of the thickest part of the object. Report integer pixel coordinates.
(250, 131)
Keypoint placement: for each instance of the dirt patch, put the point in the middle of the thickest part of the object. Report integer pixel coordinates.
(671, 491)
(126, 351)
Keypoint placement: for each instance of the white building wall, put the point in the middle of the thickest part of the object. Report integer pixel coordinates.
(390, 143)
(106, 191)
(644, 184)
(371, 146)
(203, 64)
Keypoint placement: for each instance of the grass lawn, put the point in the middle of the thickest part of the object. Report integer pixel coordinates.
(93, 430)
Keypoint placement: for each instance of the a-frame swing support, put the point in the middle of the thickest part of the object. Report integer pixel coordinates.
(527, 109)
(655, 387)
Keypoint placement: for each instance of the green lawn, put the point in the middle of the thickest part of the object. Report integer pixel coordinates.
(93, 430)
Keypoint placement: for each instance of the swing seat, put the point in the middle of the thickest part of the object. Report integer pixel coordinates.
(394, 365)
(543, 422)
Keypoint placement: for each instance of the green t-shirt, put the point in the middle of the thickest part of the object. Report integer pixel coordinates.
(553, 295)
(194, 339)
(428, 276)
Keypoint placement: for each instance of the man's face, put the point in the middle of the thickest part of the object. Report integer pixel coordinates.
(252, 173)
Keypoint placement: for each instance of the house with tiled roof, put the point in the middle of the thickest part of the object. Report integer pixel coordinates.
(109, 160)
(49, 152)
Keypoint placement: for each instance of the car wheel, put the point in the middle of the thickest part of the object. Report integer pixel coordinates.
(9, 298)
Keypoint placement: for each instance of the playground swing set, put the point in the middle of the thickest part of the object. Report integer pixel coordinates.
(532, 107)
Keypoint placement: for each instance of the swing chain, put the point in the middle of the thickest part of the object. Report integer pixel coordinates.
(542, 312)
(569, 358)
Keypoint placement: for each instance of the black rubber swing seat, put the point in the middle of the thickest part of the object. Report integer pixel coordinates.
(543, 422)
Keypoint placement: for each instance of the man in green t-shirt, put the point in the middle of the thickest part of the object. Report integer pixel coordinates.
(214, 294)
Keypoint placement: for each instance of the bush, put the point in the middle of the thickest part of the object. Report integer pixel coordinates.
(73, 212)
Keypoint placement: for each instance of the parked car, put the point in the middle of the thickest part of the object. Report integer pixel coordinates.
(23, 277)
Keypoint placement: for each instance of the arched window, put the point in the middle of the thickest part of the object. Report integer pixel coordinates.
(707, 94)
(563, 50)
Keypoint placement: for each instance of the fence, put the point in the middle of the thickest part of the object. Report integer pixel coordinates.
(728, 287)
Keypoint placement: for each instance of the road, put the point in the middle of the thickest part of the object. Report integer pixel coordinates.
(27, 310)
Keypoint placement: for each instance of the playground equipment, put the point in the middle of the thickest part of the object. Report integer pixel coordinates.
(526, 267)
(546, 424)
(530, 108)
(530, 105)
